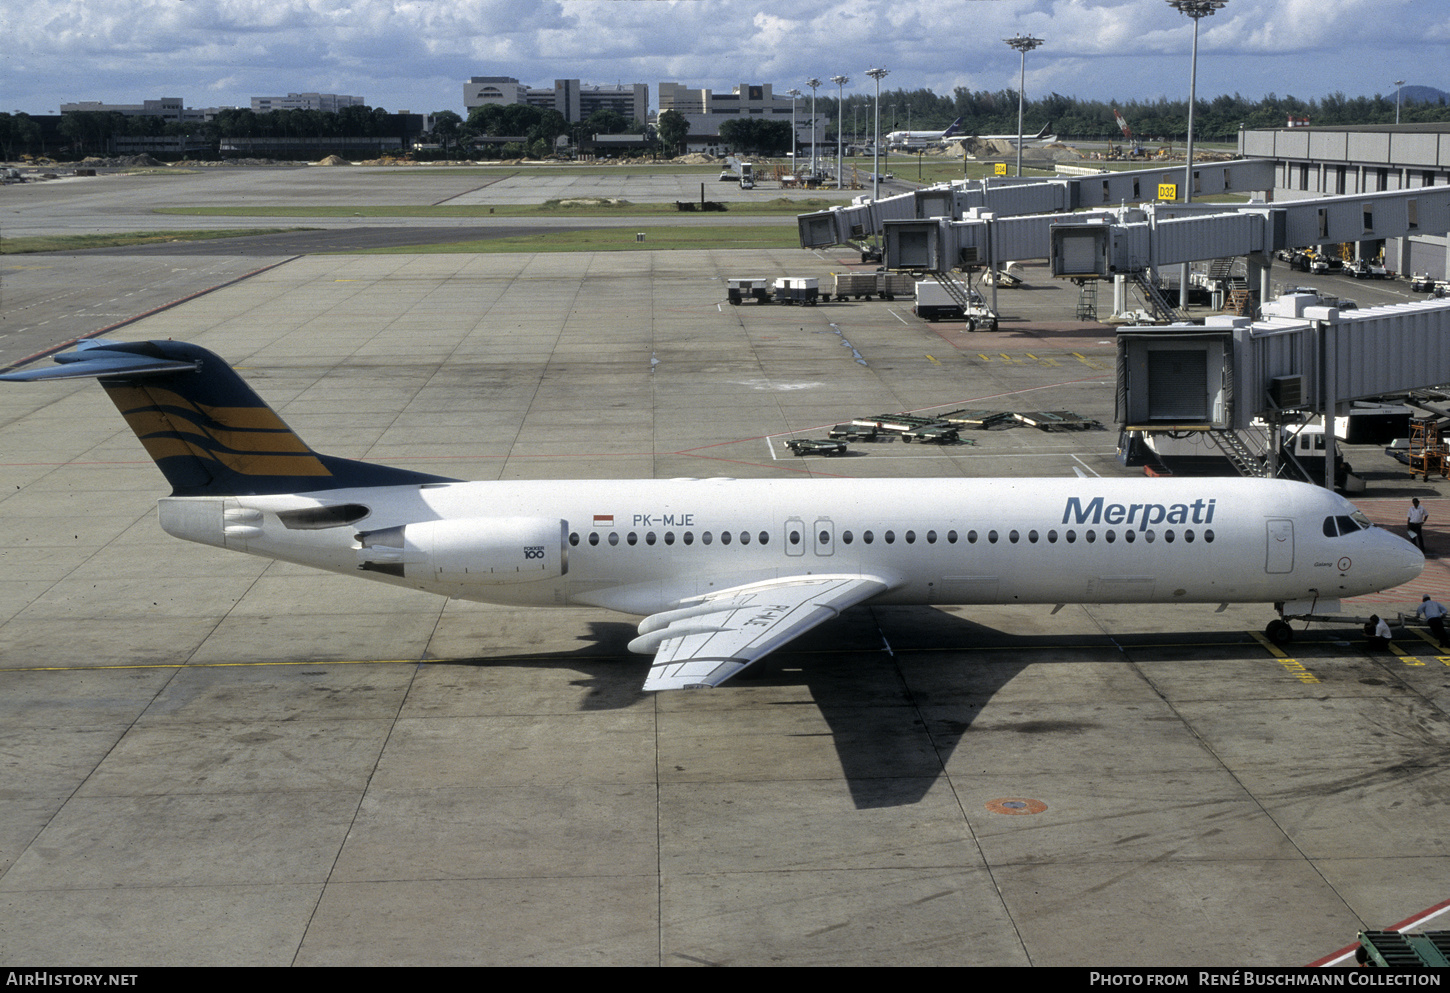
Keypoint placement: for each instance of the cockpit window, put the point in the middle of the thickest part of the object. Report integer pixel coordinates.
(1345, 524)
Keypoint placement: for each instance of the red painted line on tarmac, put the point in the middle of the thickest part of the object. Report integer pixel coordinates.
(1429, 913)
(141, 316)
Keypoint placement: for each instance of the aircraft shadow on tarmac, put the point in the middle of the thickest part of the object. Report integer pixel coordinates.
(899, 687)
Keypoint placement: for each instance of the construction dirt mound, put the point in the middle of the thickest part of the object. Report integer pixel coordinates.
(333, 160)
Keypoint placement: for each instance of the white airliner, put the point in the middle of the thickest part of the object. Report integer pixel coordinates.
(921, 139)
(1040, 138)
(725, 570)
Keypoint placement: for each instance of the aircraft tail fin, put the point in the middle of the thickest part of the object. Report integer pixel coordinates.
(209, 433)
(952, 128)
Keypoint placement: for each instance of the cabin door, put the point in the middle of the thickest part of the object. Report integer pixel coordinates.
(1281, 545)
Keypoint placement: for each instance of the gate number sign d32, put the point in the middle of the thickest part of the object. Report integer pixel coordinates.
(1167, 191)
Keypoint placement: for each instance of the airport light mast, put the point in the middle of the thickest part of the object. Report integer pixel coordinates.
(1023, 44)
(813, 82)
(878, 75)
(1398, 83)
(795, 141)
(1196, 9)
(840, 82)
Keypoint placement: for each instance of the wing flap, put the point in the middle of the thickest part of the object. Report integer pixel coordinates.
(713, 637)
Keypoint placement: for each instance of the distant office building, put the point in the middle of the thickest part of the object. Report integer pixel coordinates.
(481, 91)
(575, 100)
(329, 102)
(169, 107)
(706, 110)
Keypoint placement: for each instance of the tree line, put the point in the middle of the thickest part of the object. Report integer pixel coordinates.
(535, 131)
(1214, 119)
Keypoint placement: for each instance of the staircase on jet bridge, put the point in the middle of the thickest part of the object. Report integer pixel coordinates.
(1153, 296)
(1253, 460)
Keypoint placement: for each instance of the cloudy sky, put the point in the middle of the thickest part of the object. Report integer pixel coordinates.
(416, 54)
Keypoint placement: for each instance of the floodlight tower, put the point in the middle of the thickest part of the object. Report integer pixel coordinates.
(1196, 9)
(794, 135)
(1398, 84)
(878, 75)
(1023, 44)
(840, 82)
(813, 82)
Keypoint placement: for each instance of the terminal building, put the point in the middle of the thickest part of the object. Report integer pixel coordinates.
(705, 109)
(576, 101)
(329, 102)
(1311, 162)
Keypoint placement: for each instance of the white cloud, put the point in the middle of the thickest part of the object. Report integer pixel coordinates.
(417, 53)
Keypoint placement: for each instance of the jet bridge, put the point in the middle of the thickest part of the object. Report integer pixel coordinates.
(1230, 376)
(1011, 197)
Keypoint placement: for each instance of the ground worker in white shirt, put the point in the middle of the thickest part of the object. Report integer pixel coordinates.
(1415, 523)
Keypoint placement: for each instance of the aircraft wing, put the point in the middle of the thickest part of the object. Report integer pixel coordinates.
(713, 637)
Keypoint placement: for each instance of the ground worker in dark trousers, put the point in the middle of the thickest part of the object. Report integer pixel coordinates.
(1434, 614)
(1415, 523)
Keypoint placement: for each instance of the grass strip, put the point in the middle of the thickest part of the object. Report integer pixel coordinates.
(689, 238)
(79, 242)
(573, 207)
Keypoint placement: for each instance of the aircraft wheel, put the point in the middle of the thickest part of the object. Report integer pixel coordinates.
(1279, 632)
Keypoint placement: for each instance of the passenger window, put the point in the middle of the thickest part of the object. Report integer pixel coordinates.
(867, 537)
(911, 537)
(1130, 536)
(1208, 534)
(614, 537)
(951, 537)
(795, 537)
(846, 537)
(1071, 536)
(649, 537)
(1012, 536)
(890, 537)
(1148, 536)
(825, 537)
(1052, 537)
(744, 537)
(1188, 536)
(1168, 535)
(669, 537)
(992, 537)
(706, 538)
(971, 537)
(573, 537)
(764, 538)
(593, 537)
(931, 537)
(689, 537)
(1092, 536)
(1032, 537)
(1110, 536)
(724, 538)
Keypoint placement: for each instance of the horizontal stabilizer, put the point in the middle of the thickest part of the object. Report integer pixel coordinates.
(209, 433)
(100, 357)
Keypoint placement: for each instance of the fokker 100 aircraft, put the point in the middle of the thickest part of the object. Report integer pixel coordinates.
(724, 570)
